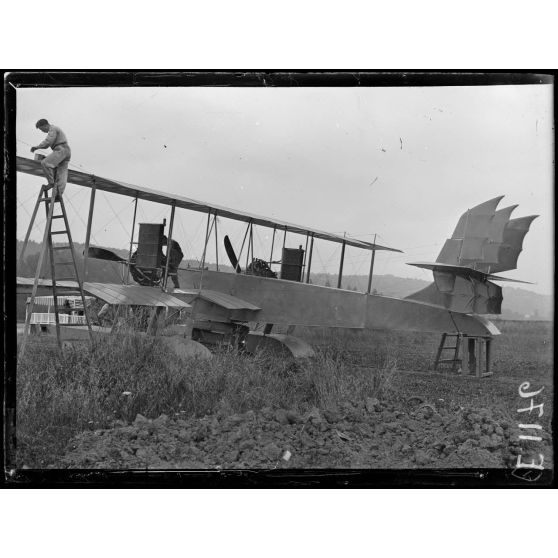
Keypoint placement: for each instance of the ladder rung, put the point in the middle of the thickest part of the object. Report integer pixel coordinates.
(73, 278)
(61, 247)
(58, 216)
(449, 348)
(64, 263)
(449, 360)
(59, 232)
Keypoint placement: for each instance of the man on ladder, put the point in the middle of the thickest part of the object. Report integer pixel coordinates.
(55, 165)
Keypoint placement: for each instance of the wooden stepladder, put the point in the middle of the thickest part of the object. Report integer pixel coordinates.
(476, 359)
(50, 202)
(455, 361)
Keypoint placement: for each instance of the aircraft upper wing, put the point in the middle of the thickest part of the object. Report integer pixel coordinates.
(29, 166)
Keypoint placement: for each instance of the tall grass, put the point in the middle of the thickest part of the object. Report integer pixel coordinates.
(61, 394)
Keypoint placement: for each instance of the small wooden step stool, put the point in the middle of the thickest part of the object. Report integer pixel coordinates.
(478, 357)
(47, 245)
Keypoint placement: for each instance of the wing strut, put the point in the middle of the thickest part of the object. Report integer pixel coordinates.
(371, 268)
(132, 238)
(88, 233)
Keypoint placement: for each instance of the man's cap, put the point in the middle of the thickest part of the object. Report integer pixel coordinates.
(41, 122)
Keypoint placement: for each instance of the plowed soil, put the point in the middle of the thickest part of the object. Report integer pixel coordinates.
(351, 434)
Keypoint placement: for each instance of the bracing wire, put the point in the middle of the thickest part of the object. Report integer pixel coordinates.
(190, 243)
(259, 241)
(187, 244)
(80, 218)
(115, 216)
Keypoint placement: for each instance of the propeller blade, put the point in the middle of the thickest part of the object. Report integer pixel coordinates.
(232, 256)
(103, 254)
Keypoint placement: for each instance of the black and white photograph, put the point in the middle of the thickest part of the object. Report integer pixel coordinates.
(282, 273)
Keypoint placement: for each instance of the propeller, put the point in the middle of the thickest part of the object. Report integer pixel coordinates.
(232, 256)
(103, 254)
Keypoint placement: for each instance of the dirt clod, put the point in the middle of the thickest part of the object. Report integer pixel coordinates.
(373, 405)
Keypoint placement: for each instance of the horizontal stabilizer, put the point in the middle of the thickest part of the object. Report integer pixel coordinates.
(463, 271)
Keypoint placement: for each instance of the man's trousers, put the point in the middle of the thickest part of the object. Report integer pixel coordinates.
(55, 167)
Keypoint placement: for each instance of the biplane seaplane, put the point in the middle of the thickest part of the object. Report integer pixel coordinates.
(223, 305)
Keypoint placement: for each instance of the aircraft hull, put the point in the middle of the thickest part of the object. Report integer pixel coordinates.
(293, 303)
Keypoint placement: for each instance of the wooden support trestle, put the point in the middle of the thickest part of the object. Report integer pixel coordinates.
(475, 359)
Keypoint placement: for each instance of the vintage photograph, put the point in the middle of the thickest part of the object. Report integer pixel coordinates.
(270, 275)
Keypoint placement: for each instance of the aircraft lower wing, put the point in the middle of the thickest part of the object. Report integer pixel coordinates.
(127, 295)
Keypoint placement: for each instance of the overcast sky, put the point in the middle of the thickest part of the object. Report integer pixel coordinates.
(403, 163)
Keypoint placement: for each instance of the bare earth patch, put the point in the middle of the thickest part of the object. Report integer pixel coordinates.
(367, 434)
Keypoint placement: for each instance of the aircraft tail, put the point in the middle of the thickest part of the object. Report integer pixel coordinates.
(485, 241)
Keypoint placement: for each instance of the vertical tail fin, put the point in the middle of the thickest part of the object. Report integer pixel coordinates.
(484, 241)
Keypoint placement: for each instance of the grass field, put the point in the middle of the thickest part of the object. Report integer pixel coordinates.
(522, 353)
(60, 395)
(524, 348)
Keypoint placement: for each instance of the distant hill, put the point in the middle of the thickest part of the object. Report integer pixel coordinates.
(97, 270)
(521, 304)
(388, 285)
(518, 304)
